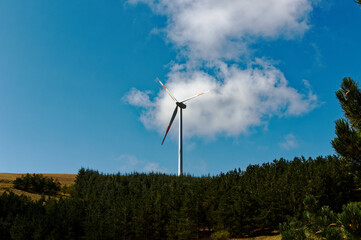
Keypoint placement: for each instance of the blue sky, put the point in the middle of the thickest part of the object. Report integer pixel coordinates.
(78, 89)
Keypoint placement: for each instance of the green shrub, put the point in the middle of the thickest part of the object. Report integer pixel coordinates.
(292, 230)
(220, 235)
(68, 190)
(37, 183)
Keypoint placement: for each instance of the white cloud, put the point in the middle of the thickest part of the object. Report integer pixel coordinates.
(208, 33)
(138, 98)
(213, 29)
(201, 166)
(154, 167)
(244, 99)
(289, 142)
(129, 163)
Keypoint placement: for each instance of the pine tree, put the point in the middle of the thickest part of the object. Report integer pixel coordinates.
(348, 131)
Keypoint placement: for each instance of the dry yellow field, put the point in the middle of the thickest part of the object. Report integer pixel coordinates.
(6, 182)
(64, 179)
(277, 237)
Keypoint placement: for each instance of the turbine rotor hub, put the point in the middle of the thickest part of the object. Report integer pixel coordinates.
(181, 105)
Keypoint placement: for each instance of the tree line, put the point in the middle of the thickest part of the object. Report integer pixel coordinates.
(159, 206)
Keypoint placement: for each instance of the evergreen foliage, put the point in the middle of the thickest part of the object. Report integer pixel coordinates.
(350, 219)
(293, 230)
(320, 222)
(37, 183)
(349, 97)
(159, 206)
(348, 131)
(323, 223)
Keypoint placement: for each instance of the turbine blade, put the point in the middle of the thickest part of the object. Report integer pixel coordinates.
(169, 93)
(170, 123)
(199, 94)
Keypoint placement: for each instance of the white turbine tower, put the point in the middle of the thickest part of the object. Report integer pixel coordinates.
(181, 106)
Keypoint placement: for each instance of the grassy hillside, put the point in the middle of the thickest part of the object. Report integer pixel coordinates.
(6, 182)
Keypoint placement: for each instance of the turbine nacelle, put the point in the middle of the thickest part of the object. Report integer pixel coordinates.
(181, 105)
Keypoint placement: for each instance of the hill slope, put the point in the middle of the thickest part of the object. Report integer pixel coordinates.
(6, 182)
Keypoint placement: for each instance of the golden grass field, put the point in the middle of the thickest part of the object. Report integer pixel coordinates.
(274, 235)
(6, 184)
(277, 237)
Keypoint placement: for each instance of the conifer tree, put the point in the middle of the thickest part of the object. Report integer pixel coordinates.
(348, 131)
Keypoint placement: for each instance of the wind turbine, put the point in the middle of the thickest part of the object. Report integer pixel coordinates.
(181, 106)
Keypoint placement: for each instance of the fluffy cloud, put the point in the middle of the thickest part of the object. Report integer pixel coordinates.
(154, 167)
(211, 36)
(289, 142)
(245, 98)
(129, 163)
(138, 98)
(213, 29)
